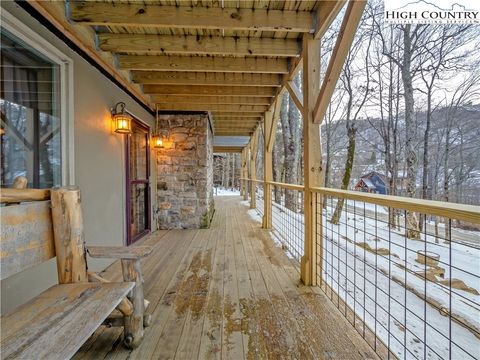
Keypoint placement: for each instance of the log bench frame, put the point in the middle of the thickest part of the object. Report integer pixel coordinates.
(34, 232)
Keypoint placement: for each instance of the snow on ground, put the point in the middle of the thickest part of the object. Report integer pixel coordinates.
(373, 285)
(254, 215)
(221, 191)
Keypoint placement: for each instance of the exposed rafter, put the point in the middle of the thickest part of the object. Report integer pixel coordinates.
(239, 116)
(203, 64)
(233, 132)
(208, 90)
(213, 107)
(202, 78)
(227, 149)
(201, 99)
(156, 16)
(198, 45)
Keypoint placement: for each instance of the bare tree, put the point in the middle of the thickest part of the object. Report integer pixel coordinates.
(357, 91)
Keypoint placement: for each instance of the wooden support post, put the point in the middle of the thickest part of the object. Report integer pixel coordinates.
(245, 173)
(241, 173)
(253, 159)
(312, 160)
(267, 171)
(68, 235)
(134, 324)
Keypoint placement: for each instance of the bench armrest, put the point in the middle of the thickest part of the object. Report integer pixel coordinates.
(119, 252)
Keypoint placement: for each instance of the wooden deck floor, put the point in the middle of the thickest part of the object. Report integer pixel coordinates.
(229, 293)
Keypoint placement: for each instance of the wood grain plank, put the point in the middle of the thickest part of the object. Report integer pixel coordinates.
(189, 345)
(232, 315)
(57, 322)
(207, 17)
(182, 299)
(26, 237)
(211, 337)
(119, 252)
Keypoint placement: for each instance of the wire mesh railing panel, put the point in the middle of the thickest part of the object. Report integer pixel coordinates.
(408, 287)
(288, 220)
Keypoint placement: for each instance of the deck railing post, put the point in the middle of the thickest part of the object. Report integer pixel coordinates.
(267, 172)
(253, 159)
(242, 156)
(312, 159)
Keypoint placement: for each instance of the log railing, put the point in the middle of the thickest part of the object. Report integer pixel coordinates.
(409, 297)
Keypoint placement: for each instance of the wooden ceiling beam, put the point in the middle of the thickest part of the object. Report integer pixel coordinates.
(225, 115)
(213, 107)
(84, 38)
(198, 45)
(235, 120)
(233, 133)
(202, 78)
(203, 64)
(227, 149)
(158, 16)
(201, 99)
(240, 121)
(236, 127)
(208, 90)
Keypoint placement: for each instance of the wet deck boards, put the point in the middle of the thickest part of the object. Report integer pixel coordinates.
(229, 293)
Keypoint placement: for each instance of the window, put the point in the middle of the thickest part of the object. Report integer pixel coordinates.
(35, 138)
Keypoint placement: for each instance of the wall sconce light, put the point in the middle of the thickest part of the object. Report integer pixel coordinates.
(121, 120)
(157, 141)
(159, 137)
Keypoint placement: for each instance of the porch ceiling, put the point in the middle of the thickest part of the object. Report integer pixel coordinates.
(229, 143)
(232, 58)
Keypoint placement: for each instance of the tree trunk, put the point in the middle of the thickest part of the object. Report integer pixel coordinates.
(412, 230)
(426, 136)
(233, 172)
(290, 119)
(351, 133)
(277, 171)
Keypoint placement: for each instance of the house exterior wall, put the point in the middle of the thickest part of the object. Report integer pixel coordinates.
(185, 172)
(99, 165)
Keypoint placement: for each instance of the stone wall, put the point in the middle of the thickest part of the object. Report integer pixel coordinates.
(185, 173)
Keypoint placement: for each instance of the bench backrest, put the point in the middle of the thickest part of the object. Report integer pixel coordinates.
(37, 230)
(26, 236)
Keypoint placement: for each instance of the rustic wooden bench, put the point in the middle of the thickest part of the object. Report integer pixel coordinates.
(56, 323)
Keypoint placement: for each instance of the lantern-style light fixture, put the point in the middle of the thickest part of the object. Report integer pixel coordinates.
(158, 137)
(122, 122)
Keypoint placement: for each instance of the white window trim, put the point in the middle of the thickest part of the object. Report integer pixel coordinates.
(17, 28)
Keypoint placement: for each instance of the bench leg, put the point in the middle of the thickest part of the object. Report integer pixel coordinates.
(134, 323)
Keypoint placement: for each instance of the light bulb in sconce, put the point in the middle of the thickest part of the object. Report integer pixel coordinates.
(157, 141)
(121, 120)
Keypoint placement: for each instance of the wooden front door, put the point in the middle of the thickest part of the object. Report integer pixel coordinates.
(137, 182)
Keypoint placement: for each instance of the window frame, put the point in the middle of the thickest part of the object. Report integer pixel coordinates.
(21, 31)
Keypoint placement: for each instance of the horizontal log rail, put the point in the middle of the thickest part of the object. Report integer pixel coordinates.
(8, 195)
(279, 184)
(464, 212)
(469, 213)
(287, 186)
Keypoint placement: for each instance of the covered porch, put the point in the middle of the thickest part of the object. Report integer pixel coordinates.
(229, 292)
(201, 78)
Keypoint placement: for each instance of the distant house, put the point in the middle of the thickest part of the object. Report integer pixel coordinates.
(373, 182)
